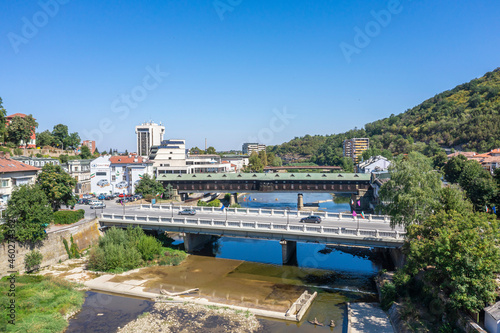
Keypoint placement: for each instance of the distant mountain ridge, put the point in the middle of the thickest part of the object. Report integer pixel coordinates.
(465, 117)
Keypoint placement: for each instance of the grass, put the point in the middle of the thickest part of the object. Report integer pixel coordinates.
(41, 303)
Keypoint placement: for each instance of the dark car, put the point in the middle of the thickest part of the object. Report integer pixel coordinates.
(101, 197)
(83, 201)
(187, 212)
(311, 219)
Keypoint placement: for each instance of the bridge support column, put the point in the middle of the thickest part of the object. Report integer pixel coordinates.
(193, 242)
(398, 257)
(300, 201)
(289, 252)
(233, 199)
(175, 195)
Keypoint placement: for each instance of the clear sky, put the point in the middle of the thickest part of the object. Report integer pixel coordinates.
(233, 71)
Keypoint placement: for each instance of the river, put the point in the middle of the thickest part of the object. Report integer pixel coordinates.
(249, 272)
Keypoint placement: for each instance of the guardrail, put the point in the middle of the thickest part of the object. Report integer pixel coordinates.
(267, 211)
(255, 225)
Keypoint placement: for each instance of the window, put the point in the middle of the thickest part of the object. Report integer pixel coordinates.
(124, 177)
(113, 178)
(100, 173)
(113, 169)
(4, 183)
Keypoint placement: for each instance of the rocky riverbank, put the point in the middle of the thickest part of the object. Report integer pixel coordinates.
(188, 317)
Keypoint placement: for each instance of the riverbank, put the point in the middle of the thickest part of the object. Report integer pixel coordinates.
(188, 317)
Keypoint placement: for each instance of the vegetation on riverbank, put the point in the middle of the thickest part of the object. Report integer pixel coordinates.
(43, 304)
(121, 250)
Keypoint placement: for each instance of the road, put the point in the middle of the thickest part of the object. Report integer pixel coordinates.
(133, 209)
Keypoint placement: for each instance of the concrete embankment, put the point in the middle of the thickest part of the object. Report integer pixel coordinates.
(367, 317)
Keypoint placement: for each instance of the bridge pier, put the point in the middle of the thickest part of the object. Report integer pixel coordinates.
(288, 252)
(233, 199)
(193, 242)
(300, 201)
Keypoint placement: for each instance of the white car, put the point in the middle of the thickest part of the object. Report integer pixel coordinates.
(98, 205)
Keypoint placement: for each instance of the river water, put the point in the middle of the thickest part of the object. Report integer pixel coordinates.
(249, 272)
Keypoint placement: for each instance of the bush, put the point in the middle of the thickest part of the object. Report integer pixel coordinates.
(149, 197)
(5, 149)
(214, 203)
(172, 257)
(388, 292)
(68, 216)
(148, 247)
(18, 151)
(32, 260)
(202, 203)
(236, 205)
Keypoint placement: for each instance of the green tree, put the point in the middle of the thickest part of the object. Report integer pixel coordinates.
(347, 164)
(60, 134)
(411, 195)
(255, 163)
(44, 139)
(57, 185)
(72, 141)
(196, 151)
(460, 253)
(85, 152)
(28, 213)
(32, 260)
(211, 150)
(453, 168)
(480, 187)
(263, 157)
(148, 185)
(3, 121)
(21, 129)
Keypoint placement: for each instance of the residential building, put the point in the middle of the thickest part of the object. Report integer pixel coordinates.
(118, 174)
(32, 141)
(80, 170)
(90, 144)
(354, 148)
(374, 164)
(492, 318)
(38, 162)
(148, 134)
(249, 148)
(14, 173)
(490, 160)
(239, 161)
(171, 157)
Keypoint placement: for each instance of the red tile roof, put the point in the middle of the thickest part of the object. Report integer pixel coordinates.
(8, 165)
(125, 159)
(467, 154)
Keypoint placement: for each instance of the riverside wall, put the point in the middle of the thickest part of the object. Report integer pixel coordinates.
(52, 248)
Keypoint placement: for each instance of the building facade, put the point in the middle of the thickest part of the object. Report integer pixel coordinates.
(14, 173)
(249, 148)
(490, 160)
(90, 144)
(374, 164)
(354, 148)
(80, 170)
(118, 174)
(148, 134)
(38, 162)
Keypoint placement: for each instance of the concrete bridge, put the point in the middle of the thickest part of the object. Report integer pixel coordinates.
(356, 184)
(262, 224)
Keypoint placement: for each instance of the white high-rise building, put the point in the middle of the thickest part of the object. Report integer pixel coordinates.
(148, 134)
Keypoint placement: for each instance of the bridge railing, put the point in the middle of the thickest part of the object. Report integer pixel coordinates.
(267, 212)
(256, 225)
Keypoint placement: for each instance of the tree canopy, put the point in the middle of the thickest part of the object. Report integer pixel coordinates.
(28, 213)
(57, 185)
(148, 185)
(21, 129)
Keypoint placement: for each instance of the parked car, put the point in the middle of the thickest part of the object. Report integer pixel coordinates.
(83, 201)
(93, 201)
(108, 197)
(87, 196)
(98, 205)
(311, 219)
(187, 212)
(101, 197)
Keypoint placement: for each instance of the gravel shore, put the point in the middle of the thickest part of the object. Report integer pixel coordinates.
(189, 317)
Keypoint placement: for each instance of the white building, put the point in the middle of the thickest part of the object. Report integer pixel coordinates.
(172, 157)
(14, 173)
(148, 135)
(492, 318)
(239, 161)
(118, 174)
(249, 148)
(374, 164)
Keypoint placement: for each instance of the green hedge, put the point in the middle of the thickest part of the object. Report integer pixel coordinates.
(68, 216)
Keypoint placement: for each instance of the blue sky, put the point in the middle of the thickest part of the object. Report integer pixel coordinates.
(235, 70)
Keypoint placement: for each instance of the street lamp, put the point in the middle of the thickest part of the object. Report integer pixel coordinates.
(287, 215)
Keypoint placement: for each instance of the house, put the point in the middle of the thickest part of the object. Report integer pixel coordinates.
(492, 318)
(32, 142)
(14, 173)
(80, 170)
(38, 162)
(374, 164)
(490, 160)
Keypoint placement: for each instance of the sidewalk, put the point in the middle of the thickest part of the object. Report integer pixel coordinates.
(367, 317)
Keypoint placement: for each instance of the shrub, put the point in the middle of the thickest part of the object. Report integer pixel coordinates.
(149, 197)
(202, 203)
(5, 149)
(18, 151)
(68, 216)
(32, 260)
(65, 242)
(236, 205)
(388, 292)
(227, 197)
(74, 249)
(214, 203)
(148, 247)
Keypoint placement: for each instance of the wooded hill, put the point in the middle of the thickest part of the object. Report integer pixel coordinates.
(466, 117)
